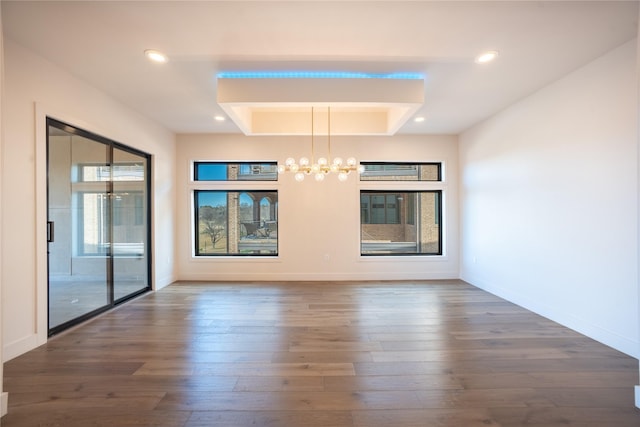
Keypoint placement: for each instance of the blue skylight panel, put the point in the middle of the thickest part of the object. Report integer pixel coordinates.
(316, 75)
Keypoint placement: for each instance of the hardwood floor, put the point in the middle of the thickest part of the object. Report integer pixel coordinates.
(326, 354)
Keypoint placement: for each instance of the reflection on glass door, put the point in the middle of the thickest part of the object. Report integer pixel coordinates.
(97, 224)
(129, 221)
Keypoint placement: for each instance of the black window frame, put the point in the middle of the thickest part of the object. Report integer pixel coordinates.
(388, 167)
(252, 166)
(263, 229)
(410, 220)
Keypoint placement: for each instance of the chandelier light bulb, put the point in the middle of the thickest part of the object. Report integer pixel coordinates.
(324, 165)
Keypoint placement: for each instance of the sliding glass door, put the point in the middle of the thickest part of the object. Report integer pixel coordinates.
(98, 224)
(129, 223)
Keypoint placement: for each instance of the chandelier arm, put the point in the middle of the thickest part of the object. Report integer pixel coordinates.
(313, 153)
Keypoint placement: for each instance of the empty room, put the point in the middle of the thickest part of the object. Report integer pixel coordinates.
(319, 213)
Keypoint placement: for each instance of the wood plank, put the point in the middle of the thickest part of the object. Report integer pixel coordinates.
(245, 369)
(271, 418)
(321, 354)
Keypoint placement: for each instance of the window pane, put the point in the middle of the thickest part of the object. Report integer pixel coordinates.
(139, 209)
(95, 173)
(377, 209)
(93, 223)
(364, 209)
(128, 223)
(127, 217)
(236, 222)
(102, 173)
(211, 172)
(411, 225)
(391, 207)
(411, 210)
(379, 171)
(222, 171)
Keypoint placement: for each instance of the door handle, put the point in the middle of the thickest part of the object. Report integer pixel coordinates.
(50, 231)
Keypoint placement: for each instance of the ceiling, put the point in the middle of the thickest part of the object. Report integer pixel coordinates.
(102, 43)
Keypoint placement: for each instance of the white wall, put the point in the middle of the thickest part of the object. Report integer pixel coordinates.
(319, 222)
(549, 195)
(35, 88)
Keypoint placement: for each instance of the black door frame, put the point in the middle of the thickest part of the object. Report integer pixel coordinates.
(73, 130)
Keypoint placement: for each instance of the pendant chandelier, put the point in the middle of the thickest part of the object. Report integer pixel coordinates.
(325, 165)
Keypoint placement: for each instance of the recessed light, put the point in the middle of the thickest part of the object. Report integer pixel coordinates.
(418, 119)
(485, 57)
(219, 118)
(155, 56)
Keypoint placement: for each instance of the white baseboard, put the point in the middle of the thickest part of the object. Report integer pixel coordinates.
(21, 346)
(4, 403)
(312, 277)
(161, 282)
(638, 396)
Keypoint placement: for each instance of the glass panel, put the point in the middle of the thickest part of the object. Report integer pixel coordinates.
(78, 213)
(377, 209)
(98, 224)
(392, 214)
(401, 223)
(123, 172)
(130, 246)
(365, 216)
(379, 171)
(222, 171)
(93, 223)
(236, 222)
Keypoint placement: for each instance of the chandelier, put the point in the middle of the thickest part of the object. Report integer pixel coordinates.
(325, 165)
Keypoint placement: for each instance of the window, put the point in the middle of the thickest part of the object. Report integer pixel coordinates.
(397, 220)
(406, 222)
(127, 223)
(377, 171)
(102, 173)
(109, 221)
(379, 208)
(223, 171)
(236, 222)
